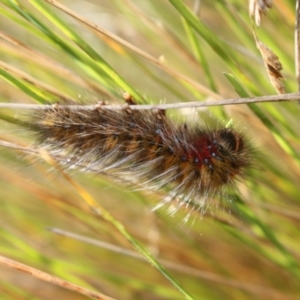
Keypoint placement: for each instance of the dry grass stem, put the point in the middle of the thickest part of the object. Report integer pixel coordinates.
(262, 99)
(297, 43)
(52, 279)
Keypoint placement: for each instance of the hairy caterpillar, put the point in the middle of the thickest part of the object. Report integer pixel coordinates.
(146, 147)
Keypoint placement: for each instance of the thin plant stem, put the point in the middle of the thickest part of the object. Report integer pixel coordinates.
(261, 99)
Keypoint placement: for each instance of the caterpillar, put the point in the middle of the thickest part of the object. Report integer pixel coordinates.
(146, 147)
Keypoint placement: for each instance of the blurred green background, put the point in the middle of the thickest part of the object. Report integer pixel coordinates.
(247, 247)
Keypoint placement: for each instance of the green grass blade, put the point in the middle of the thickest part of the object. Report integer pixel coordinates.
(99, 62)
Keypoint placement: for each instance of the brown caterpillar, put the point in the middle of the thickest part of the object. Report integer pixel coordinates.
(147, 147)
